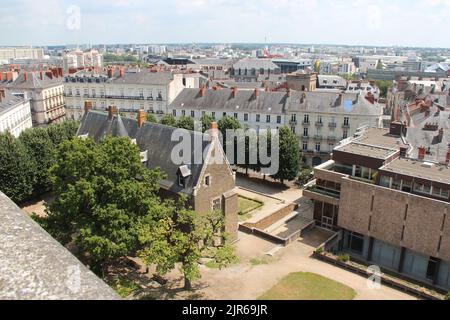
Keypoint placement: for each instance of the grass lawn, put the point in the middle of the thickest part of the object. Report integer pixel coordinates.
(308, 286)
(246, 206)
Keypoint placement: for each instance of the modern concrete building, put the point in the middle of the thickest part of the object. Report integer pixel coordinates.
(129, 91)
(46, 91)
(6, 54)
(207, 183)
(15, 113)
(387, 193)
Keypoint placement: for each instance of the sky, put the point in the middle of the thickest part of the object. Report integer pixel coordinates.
(421, 23)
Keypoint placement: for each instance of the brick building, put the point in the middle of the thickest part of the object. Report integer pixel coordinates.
(387, 193)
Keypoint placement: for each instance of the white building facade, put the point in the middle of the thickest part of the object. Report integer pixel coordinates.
(129, 92)
(15, 113)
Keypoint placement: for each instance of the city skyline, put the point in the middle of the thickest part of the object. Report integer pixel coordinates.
(363, 23)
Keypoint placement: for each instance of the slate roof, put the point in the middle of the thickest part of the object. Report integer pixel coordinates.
(9, 102)
(223, 100)
(35, 82)
(34, 266)
(331, 81)
(154, 138)
(333, 102)
(255, 64)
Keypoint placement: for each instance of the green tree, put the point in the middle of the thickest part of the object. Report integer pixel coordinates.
(103, 192)
(384, 86)
(169, 120)
(186, 123)
(17, 169)
(206, 122)
(61, 132)
(228, 123)
(41, 149)
(304, 176)
(183, 237)
(151, 118)
(289, 156)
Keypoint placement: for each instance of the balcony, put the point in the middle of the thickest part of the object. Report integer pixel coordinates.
(305, 137)
(320, 194)
(318, 137)
(306, 123)
(319, 124)
(332, 125)
(293, 122)
(332, 139)
(346, 126)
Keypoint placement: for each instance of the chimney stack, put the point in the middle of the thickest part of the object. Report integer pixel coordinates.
(87, 106)
(202, 91)
(142, 118)
(214, 130)
(25, 77)
(1, 76)
(112, 111)
(9, 76)
(256, 94)
(447, 159)
(234, 91)
(422, 153)
(122, 72)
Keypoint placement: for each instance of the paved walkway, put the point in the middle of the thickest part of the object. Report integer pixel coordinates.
(245, 281)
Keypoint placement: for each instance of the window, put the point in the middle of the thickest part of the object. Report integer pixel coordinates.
(183, 113)
(356, 242)
(318, 146)
(432, 268)
(217, 205)
(174, 112)
(306, 118)
(181, 181)
(319, 119)
(346, 121)
(213, 114)
(224, 114)
(294, 118)
(207, 181)
(293, 130)
(305, 132)
(345, 134)
(235, 115)
(192, 114)
(258, 118)
(203, 113)
(268, 119)
(246, 117)
(278, 119)
(305, 146)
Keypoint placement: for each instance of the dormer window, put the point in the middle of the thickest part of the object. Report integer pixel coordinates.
(183, 174)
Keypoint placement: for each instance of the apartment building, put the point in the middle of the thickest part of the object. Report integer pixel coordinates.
(387, 193)
(249, 70)
(15, 113)
(79, 59)
(208, 185)
(6, 54)
(129, 91)
(320, 119)
(46, 91)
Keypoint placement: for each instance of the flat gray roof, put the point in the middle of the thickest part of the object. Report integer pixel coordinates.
(414, 168)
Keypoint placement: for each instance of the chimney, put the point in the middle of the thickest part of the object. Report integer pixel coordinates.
(25, 77)
(49, 74)
(111, 72)
(447, 159)
(234, 91)
(112, 111)
(142, 117)
(87, 106)
(255, 94)
(1, 76)
(422, 152)
(60, 72)
(202, 91)
(9, 76)
(41, 73)
(55, 73)
(214, 130)
(122, 72)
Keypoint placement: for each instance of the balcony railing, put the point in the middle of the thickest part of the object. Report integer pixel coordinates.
(293, 122)
(317, 137)
(332, 125)
(319, 124)
(346, 126)
(306, 123)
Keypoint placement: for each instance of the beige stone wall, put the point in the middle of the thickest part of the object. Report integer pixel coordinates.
(222, 184)
(423, 223)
